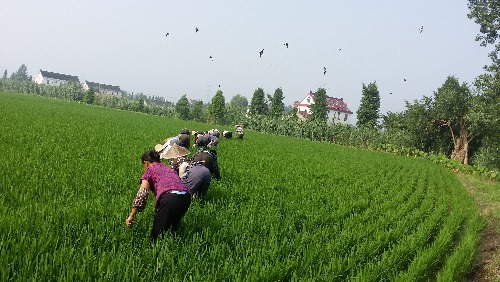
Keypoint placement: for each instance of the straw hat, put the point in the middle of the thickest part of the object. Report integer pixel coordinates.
(175, 151)
(160, 147)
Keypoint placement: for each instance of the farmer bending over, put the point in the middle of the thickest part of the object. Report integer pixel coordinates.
(239, 131)
(184, 138)
(177, 158)
(207, 157)
(166, 145)
(194, 175)
(215, 132)
(213, 140)
(197, 179)
(227, 134)
(172, 196)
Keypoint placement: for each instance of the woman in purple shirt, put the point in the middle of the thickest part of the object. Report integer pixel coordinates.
(172, 196)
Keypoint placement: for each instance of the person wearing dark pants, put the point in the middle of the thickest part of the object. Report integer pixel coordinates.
(169, 211)
(172, 196)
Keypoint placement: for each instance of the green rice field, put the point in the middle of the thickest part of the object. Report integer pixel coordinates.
(285, 210)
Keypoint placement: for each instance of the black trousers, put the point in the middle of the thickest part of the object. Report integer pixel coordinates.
(169, 211)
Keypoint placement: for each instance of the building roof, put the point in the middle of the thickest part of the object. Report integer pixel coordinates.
(99, 86)
(334, 104)
(58, 76)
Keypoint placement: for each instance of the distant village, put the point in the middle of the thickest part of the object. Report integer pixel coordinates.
(57, 79)
(338, 111)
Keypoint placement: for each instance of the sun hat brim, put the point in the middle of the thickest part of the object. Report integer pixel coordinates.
(175, 151)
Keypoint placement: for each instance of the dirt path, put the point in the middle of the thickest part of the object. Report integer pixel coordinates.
(487, 196)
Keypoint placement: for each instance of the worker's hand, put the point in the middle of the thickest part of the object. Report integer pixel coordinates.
(129, 221)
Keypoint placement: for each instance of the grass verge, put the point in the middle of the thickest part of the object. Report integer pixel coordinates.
(487, 195)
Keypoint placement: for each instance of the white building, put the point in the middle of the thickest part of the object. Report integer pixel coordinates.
(338, 112)
(102, 88)
(54, 78)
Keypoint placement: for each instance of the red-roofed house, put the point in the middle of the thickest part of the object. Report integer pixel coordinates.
(338, 112)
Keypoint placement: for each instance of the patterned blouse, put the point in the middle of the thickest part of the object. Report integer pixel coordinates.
(175, 163)
(162, 179)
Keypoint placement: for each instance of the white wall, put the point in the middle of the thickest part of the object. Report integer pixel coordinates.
(39, 78)
(338, 117)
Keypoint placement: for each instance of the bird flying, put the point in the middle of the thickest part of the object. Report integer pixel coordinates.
(196, 29)
(167, 34)
(261, 52)
(324, 70)
(421, 29)
(286, 44)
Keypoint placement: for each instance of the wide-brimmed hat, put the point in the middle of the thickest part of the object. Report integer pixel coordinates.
(160, 147)
(175, 151)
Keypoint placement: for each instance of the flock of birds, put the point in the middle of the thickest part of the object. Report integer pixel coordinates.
(261, 52)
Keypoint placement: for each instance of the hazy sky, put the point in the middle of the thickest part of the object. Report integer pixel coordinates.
(123, 43)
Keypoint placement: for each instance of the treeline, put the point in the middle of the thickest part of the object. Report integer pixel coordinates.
(413, 132)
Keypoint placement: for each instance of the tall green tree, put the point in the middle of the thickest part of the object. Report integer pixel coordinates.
(139, 105)
(182, 108)
(217, 109)
(486, 13)
(417, 127)
(486, 115)
(368, 111)
(258, 104)
(89, 97)
(277, 105)
(21, 74)
(319, 111)
(197, 113)
(486, 108)
(239, 101)
(235, 114)
(4, 74)
(453, 104)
